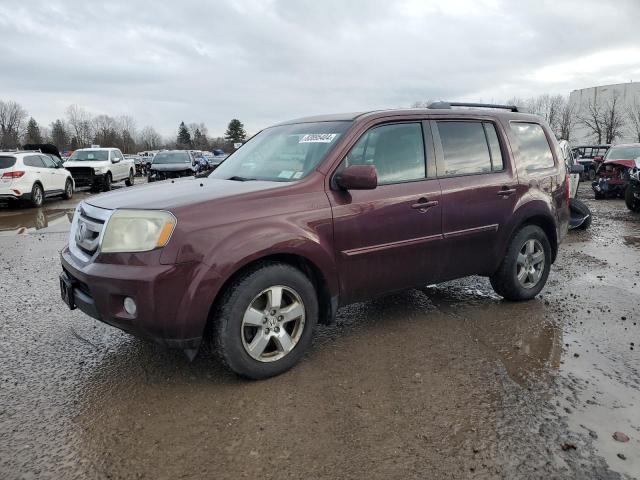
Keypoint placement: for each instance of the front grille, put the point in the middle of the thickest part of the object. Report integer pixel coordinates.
(82, 175)
(86, 230)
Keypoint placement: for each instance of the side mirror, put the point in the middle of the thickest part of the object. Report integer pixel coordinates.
(576, 169)
(114, 160)
(358, 177)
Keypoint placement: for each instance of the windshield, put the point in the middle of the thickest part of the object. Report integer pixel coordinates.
(282, 154)
(90, 155)
(172, 157)
(623, 153)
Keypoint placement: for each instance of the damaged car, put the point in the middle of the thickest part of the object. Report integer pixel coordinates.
(632, 195)
(612, 177)
(172, 164)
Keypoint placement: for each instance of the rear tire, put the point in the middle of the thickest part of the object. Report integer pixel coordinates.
(237, 340)
(631, 201)
(68, 190)
(514, 279)
(37, 195)
(129, 181)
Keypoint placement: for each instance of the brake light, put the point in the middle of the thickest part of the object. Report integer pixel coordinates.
(14, 174)
(567, 188)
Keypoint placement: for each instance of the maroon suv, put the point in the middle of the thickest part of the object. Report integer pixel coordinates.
(313, 214)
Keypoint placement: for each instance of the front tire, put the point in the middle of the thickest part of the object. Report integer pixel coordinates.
(68, 190)
(106, 186)
(631, 201)
(265, 321)
(129, 181)
(525, 268)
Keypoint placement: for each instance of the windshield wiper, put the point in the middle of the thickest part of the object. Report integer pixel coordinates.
(240, 179)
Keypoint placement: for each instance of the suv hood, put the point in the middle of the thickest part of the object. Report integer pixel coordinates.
(48, 148)
(624, 163)
(171, 167)
(168, 195)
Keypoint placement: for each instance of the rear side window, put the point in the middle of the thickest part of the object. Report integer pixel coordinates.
(494, 147)
(7, 162)
(464, 147)
(396, 150)
(48, 161)
(534, 152)
(33, 161)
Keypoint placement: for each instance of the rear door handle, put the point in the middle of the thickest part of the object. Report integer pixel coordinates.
(505, 192)
(425, 205)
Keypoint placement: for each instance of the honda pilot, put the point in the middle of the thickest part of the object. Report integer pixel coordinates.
(313, 214)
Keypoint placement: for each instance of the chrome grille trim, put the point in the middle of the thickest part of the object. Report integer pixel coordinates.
(91, 220)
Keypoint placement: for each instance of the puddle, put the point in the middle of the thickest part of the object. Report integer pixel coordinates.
(36, 220)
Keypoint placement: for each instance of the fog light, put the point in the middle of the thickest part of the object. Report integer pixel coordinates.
(130, 306)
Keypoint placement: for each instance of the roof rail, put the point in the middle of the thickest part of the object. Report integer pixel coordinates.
(448, 105)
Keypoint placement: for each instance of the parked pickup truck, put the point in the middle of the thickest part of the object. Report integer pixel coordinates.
(313, 214)
(99, 168)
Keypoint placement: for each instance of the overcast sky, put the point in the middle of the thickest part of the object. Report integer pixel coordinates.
(263, 61)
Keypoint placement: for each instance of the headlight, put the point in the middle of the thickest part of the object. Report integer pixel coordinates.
(137, 230)
(100, 169)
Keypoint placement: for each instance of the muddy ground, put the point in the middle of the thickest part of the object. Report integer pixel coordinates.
(444, 382)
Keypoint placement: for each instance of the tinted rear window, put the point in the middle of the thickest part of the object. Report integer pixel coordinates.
(464, 147)
(7, 162)
(534, 152)
(33, 161)
(623, 153)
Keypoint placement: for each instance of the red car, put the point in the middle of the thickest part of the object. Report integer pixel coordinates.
(316, 213)
(613, 173)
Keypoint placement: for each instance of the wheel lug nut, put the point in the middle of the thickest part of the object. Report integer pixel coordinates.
(264, 320)
(277, 329)
(280, 318)
(273, 312)
(266, 330)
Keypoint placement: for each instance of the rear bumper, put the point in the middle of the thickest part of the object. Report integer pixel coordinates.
(165, 307)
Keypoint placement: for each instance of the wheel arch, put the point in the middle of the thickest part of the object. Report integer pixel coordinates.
(546, 223)
(327, 304)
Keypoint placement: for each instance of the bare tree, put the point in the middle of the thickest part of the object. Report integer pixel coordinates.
(105, 131)
(80, 122)
(150, 139)
(566, 121)
(613, 119)
(12, 123)
(633, 115)
(591, 117)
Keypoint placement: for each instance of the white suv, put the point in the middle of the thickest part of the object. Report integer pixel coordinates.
(32, 176)
(98, 168)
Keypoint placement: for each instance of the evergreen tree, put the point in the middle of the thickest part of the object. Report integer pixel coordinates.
(33, 132)
(235, 132)
(184, 137)
(59, 135)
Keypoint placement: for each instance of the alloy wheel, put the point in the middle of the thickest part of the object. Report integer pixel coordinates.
(530, 263)
(273, 323)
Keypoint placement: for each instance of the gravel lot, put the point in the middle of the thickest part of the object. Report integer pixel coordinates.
(444, 382)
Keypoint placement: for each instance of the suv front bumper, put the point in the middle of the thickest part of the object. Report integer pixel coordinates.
(161, 293)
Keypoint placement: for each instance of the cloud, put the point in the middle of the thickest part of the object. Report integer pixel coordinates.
(266, 61)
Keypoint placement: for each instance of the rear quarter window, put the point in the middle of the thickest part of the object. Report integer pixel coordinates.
(534, 152)
(7, 162)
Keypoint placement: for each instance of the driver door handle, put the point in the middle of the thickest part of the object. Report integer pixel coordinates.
(506, 191)
(423, 205)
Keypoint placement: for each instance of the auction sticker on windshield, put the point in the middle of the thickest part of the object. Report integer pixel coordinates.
(318, 138)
